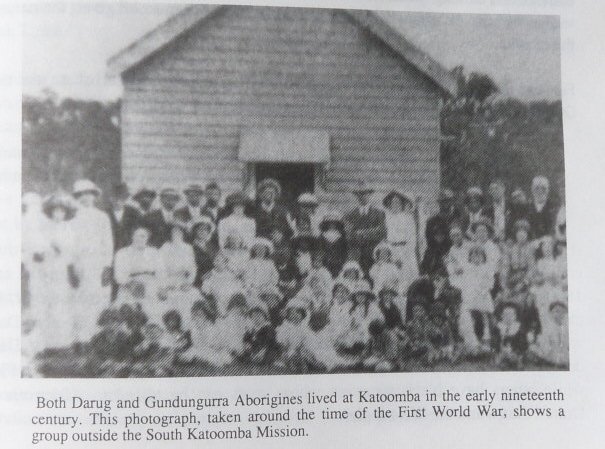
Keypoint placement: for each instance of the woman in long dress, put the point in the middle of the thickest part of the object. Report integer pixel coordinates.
(178, 259)
(93, 258)
(236, 233)
(140, 273)
(55, 311)
(402, 235)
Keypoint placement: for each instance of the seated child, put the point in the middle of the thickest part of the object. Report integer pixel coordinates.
(340, 311)
(111, 347)
(221, 284)
(260, 273)
(392, 306)
(510, 339)
(421, 332)
(552, 345)
(174, 337)
(274, 303)
(205, 346)
(351, 272)
(382, 353)
(260, 346)
(291, 335)
(230, 329)
(384, 269)
(319, 351)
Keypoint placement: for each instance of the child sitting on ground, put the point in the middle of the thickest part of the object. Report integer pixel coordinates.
(260, 346)
(552, 346)
(174, 337)
(382, 353)
(392, 306)
(292, 334)
(205, 346)
(510, 339)
(230, 329)
(221, 284)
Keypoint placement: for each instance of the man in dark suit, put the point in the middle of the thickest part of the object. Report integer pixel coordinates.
(268, 214)
(192, 210)
(127, 213)
(160, 221)
(542, 210)
(366, 227)
(212, 207)
(497, 211)
(448, 213)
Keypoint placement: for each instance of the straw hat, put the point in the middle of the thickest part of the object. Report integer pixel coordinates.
(82, 186)
(269, 183)
(307, 199)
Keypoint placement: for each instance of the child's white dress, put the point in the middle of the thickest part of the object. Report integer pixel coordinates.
(476, 283)
(179, 262)
(292, 337)
(385, 273)
(456, 261)
(235, 236)
(261, 275)
(222, 285)
(401, 235)
(205, 346)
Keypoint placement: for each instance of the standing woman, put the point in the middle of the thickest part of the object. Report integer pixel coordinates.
(402, 235)
(236, 232)
(56, 320)
(333, 241)
(179, 263)
(204, 247)
(140, 273)
(93, 256)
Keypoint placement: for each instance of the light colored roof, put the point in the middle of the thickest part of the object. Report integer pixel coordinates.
(192, 15)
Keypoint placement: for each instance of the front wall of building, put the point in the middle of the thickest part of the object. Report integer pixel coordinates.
(183, 109)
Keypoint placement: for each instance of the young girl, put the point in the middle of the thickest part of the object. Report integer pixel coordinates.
(292, 335)
(260, 273)
(510, 338)
(260, 346)
(205, 347)
(221, 284)
(384, 271)
(350, 274)
(476, 285)
(231, 328)
(179, 261)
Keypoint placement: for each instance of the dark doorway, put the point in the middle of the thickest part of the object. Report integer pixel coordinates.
(293, 178)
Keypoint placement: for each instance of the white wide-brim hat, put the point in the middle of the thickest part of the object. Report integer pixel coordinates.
(85, 186)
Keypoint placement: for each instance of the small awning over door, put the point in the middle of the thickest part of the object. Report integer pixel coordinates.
(285, 145)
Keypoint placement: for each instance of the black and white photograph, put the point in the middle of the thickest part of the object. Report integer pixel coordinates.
(236, 190)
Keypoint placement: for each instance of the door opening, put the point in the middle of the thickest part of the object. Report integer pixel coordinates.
(294, 179)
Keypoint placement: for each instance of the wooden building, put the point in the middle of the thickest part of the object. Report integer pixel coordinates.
(318, 98)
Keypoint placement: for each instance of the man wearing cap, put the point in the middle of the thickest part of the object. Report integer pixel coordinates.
(93, 258)
(307, 219)
(497, 210)
(159, 221)
(366, 227)
(192, 210)
(268, 213)
(212, 208)
(542, 211)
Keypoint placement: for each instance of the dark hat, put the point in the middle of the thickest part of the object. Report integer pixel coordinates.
(422, 287)
(193, 188)
(405, 199)
(59, 200)
(110, 316)
(236, 199)
(362, 187)
(144, 192)
(169, 191)
(269, 183)
(212, 185)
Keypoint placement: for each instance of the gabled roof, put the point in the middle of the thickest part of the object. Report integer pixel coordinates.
(193, 15)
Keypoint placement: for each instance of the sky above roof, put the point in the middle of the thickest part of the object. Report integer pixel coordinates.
(66, 46)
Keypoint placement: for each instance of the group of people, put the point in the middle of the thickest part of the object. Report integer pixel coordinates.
(167, 278)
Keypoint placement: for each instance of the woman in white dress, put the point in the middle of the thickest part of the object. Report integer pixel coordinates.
(55, 312)
(93, 257)
(236, 233)
(402, 235)
(140, 274)
(178, 291)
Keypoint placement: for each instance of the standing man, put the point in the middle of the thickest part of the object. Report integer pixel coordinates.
(93, 256)
(497, 210)
(366, 227)
(542, 211)
(159, 221)
(306, 215)
(212, 208)
(268, 213)
(474, 212)
(192, 210)
(116, 215)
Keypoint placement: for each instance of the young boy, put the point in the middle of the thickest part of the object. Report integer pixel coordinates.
(510, 339)
(260, 346)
